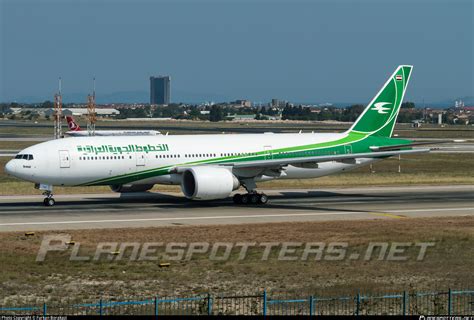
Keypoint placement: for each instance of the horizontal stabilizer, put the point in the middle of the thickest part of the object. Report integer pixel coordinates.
(409, 145)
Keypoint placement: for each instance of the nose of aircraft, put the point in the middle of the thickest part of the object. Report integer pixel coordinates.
(10, 167)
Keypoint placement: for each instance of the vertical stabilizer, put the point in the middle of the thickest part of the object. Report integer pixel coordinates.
(380, 115)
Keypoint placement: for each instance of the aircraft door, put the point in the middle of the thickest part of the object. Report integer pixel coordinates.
(268, 152)
(140, 159)
(348, 149)
(64, 160)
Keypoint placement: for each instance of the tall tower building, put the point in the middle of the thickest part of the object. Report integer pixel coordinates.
(160, 90)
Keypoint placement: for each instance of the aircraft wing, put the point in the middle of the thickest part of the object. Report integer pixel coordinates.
(278, 163)
(316, 159)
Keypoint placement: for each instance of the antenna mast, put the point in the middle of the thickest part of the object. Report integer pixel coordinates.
(58, 113)
(91, 114)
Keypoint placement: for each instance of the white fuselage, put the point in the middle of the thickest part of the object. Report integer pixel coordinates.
(81, 160)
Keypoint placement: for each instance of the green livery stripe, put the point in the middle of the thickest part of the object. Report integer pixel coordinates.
(311, 150)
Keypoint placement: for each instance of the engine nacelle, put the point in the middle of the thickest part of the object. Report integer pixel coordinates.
(125, 188)
(208, 183)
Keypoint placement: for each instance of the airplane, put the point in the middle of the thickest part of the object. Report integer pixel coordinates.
(76, 131)
(211, 167)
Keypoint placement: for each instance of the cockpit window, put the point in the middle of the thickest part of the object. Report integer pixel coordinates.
(24, 156)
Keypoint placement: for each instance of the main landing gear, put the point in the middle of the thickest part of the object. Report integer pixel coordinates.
(49, 200)
(250, 198)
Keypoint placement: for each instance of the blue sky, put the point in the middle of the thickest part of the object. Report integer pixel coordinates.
(317, 51)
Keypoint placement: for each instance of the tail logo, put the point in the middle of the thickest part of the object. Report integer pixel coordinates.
(379, 107)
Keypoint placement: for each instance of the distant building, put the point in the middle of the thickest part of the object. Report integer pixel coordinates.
(459, 104)
(244, 103)
(240, 117)
(101, 112)
(160, 90)
(276, 103)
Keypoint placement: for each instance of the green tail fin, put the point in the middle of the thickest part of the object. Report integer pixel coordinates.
(380, 115)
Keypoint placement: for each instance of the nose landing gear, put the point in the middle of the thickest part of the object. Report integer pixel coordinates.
(49, 200)
(47, 192)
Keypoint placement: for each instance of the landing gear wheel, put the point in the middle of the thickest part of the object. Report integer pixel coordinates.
(254, 198)
(49, 202)
(237, 198)
(245, 199)
(263, 199)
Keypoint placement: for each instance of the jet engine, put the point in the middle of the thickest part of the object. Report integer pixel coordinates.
(208, 183)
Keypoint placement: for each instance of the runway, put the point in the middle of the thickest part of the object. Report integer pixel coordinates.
(87, 211)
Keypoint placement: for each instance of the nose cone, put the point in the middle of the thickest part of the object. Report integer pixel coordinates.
(10, 167)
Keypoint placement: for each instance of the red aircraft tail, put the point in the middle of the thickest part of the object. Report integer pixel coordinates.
(73, 126)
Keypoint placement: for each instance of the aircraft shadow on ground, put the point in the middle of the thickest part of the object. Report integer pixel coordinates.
(287, 200)
(320, 194)
(284, 201)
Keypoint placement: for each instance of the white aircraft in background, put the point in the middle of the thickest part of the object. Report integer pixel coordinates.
(76, 131)
(212, 166)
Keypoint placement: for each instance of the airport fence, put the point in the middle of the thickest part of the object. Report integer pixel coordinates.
(451, 302)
